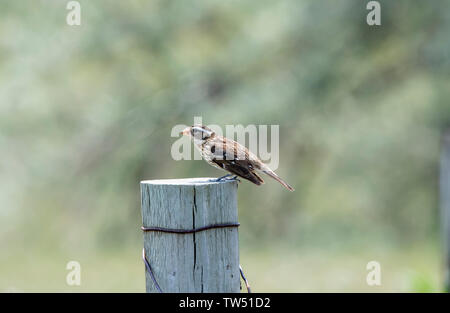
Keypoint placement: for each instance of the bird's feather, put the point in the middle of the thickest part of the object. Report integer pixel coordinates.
(240, 168)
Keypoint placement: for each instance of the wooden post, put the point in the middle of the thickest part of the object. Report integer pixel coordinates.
(445, 204)
(205, 261)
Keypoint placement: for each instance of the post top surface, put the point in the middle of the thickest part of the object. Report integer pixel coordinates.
(187, 181)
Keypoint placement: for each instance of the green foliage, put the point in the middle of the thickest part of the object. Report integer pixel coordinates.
(422, 283)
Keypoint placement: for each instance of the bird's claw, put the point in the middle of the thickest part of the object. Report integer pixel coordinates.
(226, 177)
(221, 178)
(235, 178)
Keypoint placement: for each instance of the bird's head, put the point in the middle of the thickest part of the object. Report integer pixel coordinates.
(198, 133)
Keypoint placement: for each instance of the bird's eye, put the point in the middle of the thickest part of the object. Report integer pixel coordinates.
(200, 133)
(197, 133)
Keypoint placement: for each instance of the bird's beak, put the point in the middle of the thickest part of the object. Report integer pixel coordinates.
(185, 132)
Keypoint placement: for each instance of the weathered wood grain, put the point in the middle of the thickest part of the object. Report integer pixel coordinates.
(206, 261)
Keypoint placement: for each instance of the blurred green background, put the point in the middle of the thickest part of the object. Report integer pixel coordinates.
(86, 113)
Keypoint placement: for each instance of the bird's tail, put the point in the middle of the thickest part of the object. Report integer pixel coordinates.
(278, 179)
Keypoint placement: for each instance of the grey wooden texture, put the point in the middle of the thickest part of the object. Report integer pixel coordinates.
(445, 204)
(206, 261)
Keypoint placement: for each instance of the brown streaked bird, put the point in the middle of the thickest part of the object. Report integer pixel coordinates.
(230, 156)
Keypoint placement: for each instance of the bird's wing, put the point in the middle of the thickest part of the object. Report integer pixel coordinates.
(240, 168)
(226, 149)
(234, 158)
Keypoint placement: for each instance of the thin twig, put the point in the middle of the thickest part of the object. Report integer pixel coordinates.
(149, 269)
(249, 290)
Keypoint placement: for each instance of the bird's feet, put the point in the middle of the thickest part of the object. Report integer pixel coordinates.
(222, 178)
(226, 177)
(235, 178)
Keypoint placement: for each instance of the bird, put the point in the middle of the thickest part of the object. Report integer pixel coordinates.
(228, 155)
